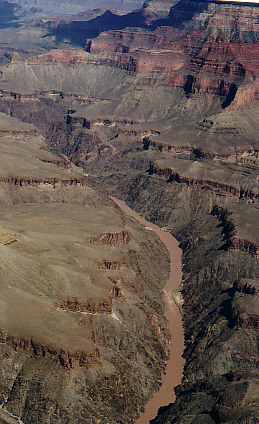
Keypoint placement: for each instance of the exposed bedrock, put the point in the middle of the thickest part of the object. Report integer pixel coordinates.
(115, 239)
(202, 49)
(246, 245)
(64, 358)
(78, 292)
(242, 154)
(76, 305)
(82, 338)
(217, 187)
(212, 51)
(68, 57)
(220, 291)
(63, 132)
(109, 265)
(40, 182)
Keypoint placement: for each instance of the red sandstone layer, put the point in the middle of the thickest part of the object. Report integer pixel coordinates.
(67, 56)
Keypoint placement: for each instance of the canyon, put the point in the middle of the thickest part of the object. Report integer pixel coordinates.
(65, 240)
(156, 105)
(174, 367)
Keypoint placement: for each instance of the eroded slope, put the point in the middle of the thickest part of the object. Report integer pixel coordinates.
(77, 292)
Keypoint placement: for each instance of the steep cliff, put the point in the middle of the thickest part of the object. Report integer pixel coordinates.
(159, 106)
(220, 310)
(201, 47)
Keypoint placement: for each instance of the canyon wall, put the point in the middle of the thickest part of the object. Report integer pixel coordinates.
(211, 49)
(77, 290)
(65, 359)
(220, 292)
(205, 184)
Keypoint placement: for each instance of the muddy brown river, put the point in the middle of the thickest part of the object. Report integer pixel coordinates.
(174, 368)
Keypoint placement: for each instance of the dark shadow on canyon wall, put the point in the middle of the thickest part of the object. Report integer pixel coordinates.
(230, 96)
(182, 12)
(77, 32)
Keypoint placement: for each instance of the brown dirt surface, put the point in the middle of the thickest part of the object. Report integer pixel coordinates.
(77, 289)
(24, 152)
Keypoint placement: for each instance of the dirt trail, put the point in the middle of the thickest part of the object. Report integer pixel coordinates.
(174, 368)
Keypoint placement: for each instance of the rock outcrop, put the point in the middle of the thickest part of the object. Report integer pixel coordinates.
(112, 239)
(71, 282)
(217, 187)
(109, 265)
(65, 359)
(211, 49)
(246, 245)
(68, 57)
(44, 182)
(76, 305)
(81, 308)
(220, 309)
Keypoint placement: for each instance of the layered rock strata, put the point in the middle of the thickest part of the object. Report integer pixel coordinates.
(75, 277)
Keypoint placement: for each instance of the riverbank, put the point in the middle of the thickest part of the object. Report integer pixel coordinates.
(174, 368)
